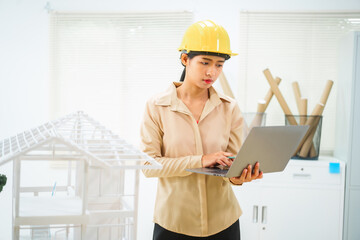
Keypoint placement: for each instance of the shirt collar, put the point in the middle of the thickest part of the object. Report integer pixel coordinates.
(169, 97)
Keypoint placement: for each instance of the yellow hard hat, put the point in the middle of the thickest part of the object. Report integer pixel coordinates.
(206, 36)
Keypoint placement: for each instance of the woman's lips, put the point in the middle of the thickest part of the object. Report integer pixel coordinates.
(208, 81)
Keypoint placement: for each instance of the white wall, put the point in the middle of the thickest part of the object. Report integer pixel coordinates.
(24, 65)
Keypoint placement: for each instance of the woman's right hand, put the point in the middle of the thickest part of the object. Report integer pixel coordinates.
(213, 159)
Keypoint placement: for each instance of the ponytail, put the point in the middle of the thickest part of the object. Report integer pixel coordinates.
(183, 75)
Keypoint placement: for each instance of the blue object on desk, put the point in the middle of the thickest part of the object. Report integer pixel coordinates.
(334, 167)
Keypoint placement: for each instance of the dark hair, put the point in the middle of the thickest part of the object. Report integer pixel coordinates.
(196, 53)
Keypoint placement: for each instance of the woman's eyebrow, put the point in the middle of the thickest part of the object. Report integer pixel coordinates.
(209, 59)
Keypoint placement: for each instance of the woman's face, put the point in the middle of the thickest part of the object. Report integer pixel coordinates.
(203, 70)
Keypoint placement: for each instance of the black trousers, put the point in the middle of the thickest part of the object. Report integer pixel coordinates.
(231, 233)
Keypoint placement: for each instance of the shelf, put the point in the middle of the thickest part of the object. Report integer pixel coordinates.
(50, 206)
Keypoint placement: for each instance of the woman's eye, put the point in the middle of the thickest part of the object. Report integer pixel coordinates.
(219, 65)
(204, 63)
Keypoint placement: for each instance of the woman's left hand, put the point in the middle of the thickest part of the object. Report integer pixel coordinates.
(248, 175)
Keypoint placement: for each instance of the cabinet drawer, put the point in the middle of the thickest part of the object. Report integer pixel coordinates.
(305, 174)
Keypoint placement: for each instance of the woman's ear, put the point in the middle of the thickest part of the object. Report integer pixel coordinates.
(184, 59)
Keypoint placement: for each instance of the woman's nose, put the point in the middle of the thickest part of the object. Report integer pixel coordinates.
(210, 72)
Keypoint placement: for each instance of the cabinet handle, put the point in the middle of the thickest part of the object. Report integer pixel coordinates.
(301, 176)
(255, 214)
(264, 215)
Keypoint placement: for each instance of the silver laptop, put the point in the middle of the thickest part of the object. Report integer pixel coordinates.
(271, 146)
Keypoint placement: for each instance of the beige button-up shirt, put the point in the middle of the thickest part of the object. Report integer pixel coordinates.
(190, 203)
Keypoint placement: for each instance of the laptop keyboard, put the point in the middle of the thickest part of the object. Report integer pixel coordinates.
(216, 170)
(222, 167)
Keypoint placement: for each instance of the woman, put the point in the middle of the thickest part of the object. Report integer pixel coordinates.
(192, 126)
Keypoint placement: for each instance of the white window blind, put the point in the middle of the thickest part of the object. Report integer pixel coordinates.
(108, 65)
(298, 47)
